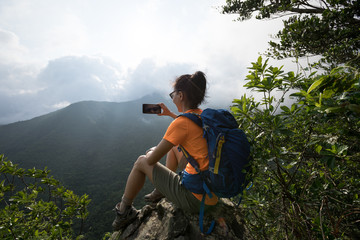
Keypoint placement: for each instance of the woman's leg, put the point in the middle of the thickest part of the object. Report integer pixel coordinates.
(141, 169)
(125, 212)
(174, 160)
(136, 178)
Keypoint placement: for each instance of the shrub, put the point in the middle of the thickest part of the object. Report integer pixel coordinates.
(306, 153)
(36, 206)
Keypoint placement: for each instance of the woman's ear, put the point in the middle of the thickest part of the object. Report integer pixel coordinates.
(181, 95)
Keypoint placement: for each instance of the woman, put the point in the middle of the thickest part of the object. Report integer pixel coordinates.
(189, 93)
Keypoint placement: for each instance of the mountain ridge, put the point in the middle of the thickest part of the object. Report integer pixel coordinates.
(90, 146)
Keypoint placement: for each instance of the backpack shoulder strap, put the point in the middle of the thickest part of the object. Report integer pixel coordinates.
(194, 117)
(189, 158)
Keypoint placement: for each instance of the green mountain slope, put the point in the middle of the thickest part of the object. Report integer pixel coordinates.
(90, 147)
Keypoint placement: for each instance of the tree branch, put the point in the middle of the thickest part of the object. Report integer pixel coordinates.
(325, 3)
(307, 10)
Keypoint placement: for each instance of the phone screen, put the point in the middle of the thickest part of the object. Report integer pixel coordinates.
(151, 108)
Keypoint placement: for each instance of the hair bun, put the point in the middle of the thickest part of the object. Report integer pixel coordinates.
(197, 75)
(194, 87)
(198, 79)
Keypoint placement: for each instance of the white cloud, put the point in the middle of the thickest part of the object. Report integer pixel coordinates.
(56, 53)
(75, 79)
(149, 77)
(60, 105)
(11, 51)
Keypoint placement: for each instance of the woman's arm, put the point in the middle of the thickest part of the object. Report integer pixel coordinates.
(155, 154)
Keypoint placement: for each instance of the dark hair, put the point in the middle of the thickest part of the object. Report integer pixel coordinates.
(193, 86)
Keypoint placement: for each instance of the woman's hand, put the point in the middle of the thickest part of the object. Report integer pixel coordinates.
(149, 151)
(155, 154)
(166, 112)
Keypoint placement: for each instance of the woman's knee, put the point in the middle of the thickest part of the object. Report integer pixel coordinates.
(140, 162)
(175, 149)
(142, 166)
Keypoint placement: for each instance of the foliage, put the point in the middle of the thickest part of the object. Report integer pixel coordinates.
(306, 178)
(36, 206)
(329, 28)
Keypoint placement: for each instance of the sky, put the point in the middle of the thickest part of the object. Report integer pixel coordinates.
(54, 53)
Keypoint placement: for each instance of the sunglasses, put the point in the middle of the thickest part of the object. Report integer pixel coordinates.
(172, 93)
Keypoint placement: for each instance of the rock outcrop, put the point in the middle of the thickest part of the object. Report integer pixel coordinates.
(166, 221)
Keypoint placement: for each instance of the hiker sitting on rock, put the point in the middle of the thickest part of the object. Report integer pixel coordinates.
(188, 94)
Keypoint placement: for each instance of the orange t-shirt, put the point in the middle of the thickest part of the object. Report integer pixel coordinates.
(185, 132)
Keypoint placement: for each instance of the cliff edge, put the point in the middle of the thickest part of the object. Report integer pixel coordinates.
(166, 221)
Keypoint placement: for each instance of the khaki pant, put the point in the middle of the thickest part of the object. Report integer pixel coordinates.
(169, 184)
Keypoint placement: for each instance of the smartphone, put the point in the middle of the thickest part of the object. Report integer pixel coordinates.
(151, 108)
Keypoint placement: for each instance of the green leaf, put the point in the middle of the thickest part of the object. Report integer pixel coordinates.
(271, 108)
(285, 109)
(334, 109)
(354, 107)
(315, 84)
(291, 165)
(318, 148)
(331, 162)
(293, 108)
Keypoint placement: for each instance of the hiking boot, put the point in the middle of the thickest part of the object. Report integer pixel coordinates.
(154, 196)
(125, 218)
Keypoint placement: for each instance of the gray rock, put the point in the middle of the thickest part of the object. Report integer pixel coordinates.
(166, 221)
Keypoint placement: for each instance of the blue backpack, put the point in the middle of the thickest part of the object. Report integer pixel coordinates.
(229, 157)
